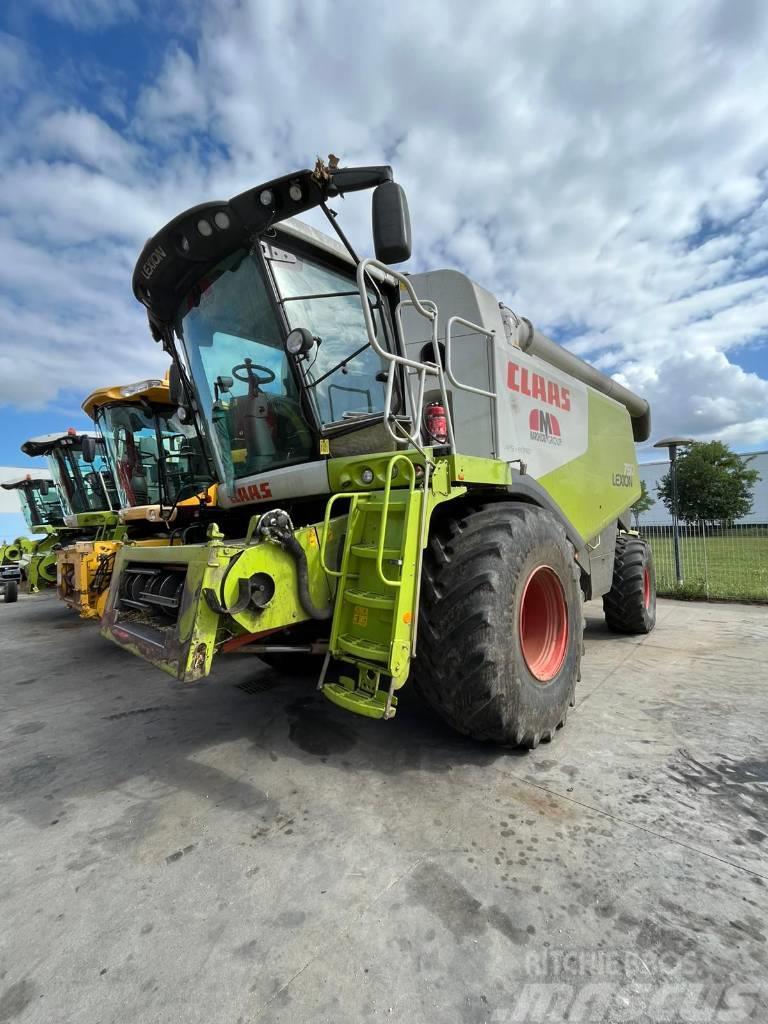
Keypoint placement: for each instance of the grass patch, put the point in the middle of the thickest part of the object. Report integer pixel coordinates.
(731, 566)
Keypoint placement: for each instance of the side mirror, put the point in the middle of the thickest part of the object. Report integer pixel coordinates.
(391, 223)
(88, 448)
(175, 386)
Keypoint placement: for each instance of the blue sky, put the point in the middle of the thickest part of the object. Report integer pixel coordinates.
(603, 168)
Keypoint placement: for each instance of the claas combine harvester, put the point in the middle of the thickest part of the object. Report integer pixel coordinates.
(162, 478)
(35, 558)
(431, 486)
(86, 491)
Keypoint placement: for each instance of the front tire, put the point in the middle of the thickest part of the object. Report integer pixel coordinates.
(501, 626)
(630, 604)
(11, 592)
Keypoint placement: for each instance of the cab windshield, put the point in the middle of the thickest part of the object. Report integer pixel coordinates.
(245, 384)
(40, 504)
(82, 486)
(233, 348)
(157, 459)
(343, 374)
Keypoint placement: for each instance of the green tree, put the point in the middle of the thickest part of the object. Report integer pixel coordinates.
(643, 503)
(714, 484)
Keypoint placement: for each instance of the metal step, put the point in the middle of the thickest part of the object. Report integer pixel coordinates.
(371, 551)
(370, 598)
(367, 650)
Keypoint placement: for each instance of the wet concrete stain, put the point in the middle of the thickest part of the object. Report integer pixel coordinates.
(433, 888)
(290, 919)
(25, 682)
(27, 728)
(137, 711)
(248, 950)
(742, 784)
(313, 730)
(82, 862)
(15, 1000)
(33, 774)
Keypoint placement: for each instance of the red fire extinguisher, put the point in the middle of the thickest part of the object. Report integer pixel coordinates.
(436, 422)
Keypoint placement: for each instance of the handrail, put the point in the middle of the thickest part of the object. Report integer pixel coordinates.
(353, 497)
(448, 371)
(385, 513)
(428, 310)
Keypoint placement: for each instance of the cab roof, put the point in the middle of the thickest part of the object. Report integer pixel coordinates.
(154, 390)
(34, 476)
(48, 442)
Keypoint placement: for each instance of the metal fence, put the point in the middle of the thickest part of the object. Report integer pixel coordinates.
(716, 562)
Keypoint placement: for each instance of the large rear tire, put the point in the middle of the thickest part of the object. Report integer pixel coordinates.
(501, 624)
(11, 592)
(630, 604)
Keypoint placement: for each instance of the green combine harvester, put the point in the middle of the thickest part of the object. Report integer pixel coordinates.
(27, 557)
(429, 487)
(87, 496)
(44, 516)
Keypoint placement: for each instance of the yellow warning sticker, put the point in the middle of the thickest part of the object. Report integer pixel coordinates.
(359, 615)
(325, 446)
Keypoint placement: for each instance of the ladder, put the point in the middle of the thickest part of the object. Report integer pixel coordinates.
(374, 618)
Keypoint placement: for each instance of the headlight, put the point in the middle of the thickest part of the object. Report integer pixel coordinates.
(299, 341)
(367, 475)
(295, 192)
(139, 386)
(204, 227)
(221, 220)
(266, 198)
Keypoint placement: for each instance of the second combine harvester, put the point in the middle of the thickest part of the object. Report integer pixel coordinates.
(431, 486)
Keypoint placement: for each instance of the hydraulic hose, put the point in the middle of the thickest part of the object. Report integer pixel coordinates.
(296, 551)
(276, 526)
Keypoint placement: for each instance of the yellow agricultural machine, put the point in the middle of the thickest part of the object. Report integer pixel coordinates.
(162, 481)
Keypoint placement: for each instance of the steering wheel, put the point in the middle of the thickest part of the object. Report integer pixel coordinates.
(267, 375)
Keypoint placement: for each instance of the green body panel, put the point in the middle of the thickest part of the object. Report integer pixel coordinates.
(109, 522)
(16, 550)
(598, 486)
(41, 555)
(185, 648)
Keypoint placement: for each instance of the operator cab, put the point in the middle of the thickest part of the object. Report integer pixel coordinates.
(158, 460)
(79, 467)
(39, 501)
(270, 329)
(267, 405)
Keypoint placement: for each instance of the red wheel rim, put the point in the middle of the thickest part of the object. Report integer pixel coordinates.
(543, 624)
(647, 587)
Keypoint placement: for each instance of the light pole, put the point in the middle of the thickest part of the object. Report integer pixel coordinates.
(673, 443)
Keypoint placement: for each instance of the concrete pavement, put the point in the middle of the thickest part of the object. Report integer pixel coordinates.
(242, 851)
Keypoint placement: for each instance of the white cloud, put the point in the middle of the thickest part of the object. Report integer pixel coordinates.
(85, 138)
(601, 167)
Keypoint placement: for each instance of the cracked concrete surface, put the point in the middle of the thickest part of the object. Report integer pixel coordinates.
(205, 853)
